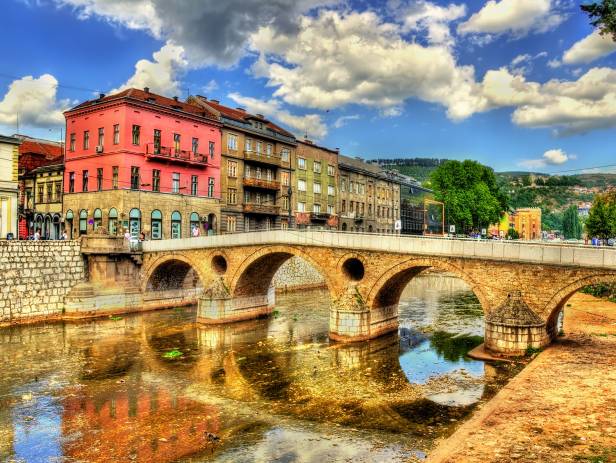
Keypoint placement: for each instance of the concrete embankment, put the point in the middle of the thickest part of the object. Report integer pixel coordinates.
(560, 408)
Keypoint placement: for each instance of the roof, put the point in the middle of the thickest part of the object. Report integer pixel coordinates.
(11, 140)
(48, 168)
(145, 96)
(49, 149)
(514, 312)
(241, 115)
(314, 145)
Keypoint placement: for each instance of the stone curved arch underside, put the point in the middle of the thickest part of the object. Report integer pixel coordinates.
(560, 298)
(173, 271)
(386, 291)
(256, 272)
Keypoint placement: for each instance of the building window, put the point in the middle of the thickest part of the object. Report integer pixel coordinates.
(269, 175)
(246, 224)
(176, 143)
(134, 178)
(176, 225)
(285, 178)
(113, 221)
(210, 187)
(268, 149)
(232, 142)
(86, 139)
(331, 170)
(195, 228)
(195, 145)
(232, 196)
(343, 206)
(316, 208)
(114, 179)
(101, 136)
(71, 146)
(134, 222)
(136, 134)
(231, 224)
(175, 182)
(316, 188)
(330, 209)
(84, 181)
(212, 146)
(155, 180)
(248, 144)
(301, 163)
(156, 225)
(99, 179)
(301, 207)
(284, 224)
(41, 193)
(258, 173)
(49, 192)
(98, 219)
(285, 202)
(259, 147)
(83, 222)
(331, 191)
(58, 192)
(194, 183)
(232, 168)
(316, 167)
(246, 197)
(246, 171)
(301, 185)
(156, 141)
(342, 185)
(116, 134)
(71, 182)
(284, 154)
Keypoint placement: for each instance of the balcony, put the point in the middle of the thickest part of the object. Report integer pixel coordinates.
(263, 158)
(261, 183)
(319, 216)
(154, 152)
(267, 209)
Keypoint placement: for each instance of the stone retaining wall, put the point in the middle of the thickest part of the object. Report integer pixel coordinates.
(296, 274)
(35, 276)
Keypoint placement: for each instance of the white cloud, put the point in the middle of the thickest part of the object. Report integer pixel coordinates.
(209, 87)
(34, 101)
(161, 73)
(516, 17)
(553, 157)
(342, 121)
(310, 124)
(590, 48)
(523, 64)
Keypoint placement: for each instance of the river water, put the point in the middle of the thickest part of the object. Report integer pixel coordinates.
(155, 387)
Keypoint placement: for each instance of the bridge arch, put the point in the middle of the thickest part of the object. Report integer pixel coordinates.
(387, 289)
(254, 275)
(172, 271)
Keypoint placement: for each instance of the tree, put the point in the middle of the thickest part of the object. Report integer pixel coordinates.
(602, 15)
(601, 222)
(470, 192)
(572, 227)
(513, 234)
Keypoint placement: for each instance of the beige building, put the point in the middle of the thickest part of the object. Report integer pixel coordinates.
(256, 172)
(9, 189)
(369, 198)
(46, 201)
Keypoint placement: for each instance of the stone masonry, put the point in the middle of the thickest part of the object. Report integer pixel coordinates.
(36, 275)
(297, 274)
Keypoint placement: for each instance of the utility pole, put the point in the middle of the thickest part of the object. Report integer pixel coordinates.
(290, 194)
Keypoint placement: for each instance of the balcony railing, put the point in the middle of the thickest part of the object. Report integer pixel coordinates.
(320, 216)
(253, 208)
(264, 158)
(169, 154)
(261, 183)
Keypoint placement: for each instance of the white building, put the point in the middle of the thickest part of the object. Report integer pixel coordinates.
(9, 155)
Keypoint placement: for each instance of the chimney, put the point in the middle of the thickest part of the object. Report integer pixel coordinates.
(175, 98)
(260, 116)
(241, 109)
(306, 140)
(214, 101)
(101, 96)
(146, 89)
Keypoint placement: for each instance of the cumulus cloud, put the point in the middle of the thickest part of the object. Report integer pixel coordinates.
(160, 74)
(590, 48)
(310, 124)
(553, 157)
(34, 101)
(340, 58)
(211, 31)
(515, 17)
(342, 121)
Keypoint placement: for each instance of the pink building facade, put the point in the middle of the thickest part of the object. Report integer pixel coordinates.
(167, 151)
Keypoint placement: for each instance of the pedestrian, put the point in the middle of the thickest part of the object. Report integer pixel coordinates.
(142, 236)
(126, 234)
(195, 231)
(37, 235)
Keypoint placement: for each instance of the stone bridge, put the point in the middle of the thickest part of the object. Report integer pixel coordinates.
(521, 286)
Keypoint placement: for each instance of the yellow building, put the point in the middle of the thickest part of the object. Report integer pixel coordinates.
(47, 188)
(526, 221)
(9, 155)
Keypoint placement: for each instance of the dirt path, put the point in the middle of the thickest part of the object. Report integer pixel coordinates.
(560, 408)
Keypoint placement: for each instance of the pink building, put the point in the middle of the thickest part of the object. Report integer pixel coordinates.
(142, 161)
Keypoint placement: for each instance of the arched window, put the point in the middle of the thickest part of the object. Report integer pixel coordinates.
(113, 221)
(134, 224)
(194, 224)
(176, 225)
(69, 223)
(98, 219)
(55, 227)
(156, 225)
(83, 222)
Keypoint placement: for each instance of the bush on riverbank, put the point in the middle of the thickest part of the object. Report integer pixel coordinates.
(602, 290)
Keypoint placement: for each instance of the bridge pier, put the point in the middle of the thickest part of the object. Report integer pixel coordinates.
(216, 305)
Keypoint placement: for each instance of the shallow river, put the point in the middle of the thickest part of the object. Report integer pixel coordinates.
(156, 388)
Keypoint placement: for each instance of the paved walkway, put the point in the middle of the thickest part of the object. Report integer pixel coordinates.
(560, 408)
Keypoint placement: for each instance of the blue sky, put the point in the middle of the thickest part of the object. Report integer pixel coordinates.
(515, 84)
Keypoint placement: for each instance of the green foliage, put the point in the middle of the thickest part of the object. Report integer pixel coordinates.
(602, 290)
(572, 227)
(601, 221)
(602, 15)
(470, 192)
(512, 234)
(532, 351)
(172, 354)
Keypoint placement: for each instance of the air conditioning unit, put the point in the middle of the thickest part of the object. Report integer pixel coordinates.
(99, 149)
